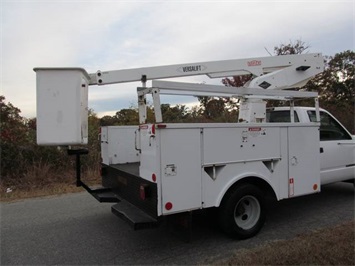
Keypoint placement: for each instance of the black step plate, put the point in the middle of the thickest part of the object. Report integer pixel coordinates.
(134, 216)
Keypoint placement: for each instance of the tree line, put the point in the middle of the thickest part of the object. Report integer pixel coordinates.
(20, 154)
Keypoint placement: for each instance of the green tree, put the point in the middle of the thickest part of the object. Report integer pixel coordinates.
(12, 124)
(177, 113)
(13, 138)
(215, 108)
(337, 82)
(91, 162)
(336, 87)
(107, 120)
(297, 47)
(127, 116)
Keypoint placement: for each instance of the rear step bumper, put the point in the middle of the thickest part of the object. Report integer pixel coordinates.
(125, 210)
(133, 215)
(101, 194)
(104, 195)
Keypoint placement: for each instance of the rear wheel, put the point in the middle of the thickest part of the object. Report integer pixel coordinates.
(242, 212)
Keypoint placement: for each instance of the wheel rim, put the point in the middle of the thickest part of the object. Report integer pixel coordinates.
(247, 212)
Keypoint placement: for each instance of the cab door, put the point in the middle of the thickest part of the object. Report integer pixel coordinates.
(337, 149)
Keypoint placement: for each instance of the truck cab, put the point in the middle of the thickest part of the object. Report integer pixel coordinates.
(337, 145)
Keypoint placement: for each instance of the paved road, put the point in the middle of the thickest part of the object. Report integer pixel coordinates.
(75, 229)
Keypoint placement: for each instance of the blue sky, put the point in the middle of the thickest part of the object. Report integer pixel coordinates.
(109, 35)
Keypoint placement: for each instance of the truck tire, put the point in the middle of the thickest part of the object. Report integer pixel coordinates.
(242, 212)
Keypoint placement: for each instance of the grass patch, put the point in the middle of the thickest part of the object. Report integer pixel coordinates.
(50, 190)
(329, 246)
(42, 180)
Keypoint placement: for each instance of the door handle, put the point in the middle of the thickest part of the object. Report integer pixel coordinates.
(136, 136)
(346, 143)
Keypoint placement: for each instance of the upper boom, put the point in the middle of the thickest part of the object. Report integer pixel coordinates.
(272, 72)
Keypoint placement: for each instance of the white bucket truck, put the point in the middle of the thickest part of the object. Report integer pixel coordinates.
(161, 169)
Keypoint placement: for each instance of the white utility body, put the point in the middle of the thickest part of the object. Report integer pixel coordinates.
(162, 169)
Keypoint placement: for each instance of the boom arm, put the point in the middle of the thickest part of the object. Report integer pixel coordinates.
(273, 72)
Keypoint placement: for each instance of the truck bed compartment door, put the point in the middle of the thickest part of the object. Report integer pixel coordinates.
(304, 160)
(180, 169)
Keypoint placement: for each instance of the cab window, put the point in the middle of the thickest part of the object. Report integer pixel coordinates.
(280, 116)
(330, 129)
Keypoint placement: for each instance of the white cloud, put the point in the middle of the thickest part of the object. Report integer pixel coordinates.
(49, 34)
(109, 35)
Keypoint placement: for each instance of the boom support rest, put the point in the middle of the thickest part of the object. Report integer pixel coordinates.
(101, 194)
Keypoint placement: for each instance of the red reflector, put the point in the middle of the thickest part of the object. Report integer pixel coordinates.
(161, 126)
(154, 177)
(153, 129)
(168, 206)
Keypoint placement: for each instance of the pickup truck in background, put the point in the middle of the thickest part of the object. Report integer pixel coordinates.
(337, 145)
